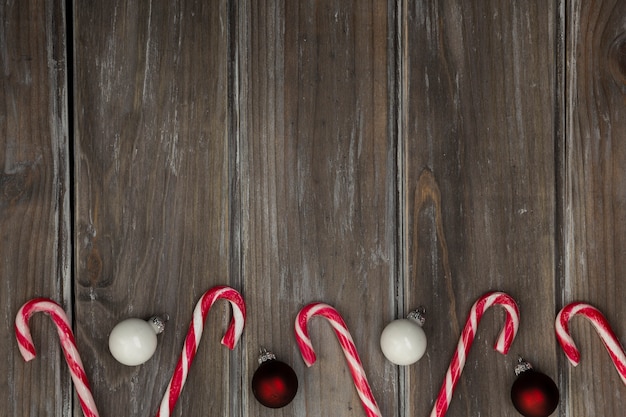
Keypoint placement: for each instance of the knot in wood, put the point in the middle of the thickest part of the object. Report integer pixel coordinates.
(617, 59)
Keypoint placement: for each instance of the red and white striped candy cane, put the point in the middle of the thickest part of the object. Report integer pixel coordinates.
(190, 347)
(600, 323)
(502, 345)
(347, 344)
(68, 344)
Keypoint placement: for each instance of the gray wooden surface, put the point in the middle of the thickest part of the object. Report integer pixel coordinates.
(35, 212)
(372, 155)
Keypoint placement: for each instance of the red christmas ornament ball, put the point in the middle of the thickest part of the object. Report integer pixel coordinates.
(534, 394)
(274, 384)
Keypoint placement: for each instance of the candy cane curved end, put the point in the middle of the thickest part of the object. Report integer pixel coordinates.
(235, 328)
(502, 345)
(22, 330)
(194, 334)
(602, 327)
(68, 345)
(347, 344)
(512, 318)
(302, 331)
(561, 327)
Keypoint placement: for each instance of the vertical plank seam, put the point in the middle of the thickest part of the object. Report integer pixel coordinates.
(64, 98)
(236, 362)
(399, 116)
(69, 71)
(560, 146)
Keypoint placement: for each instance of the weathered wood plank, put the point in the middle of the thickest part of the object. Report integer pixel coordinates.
(318, 181)
(152, 192)
(34, 201)
(289, 191)
(594, 210)
(478, 126)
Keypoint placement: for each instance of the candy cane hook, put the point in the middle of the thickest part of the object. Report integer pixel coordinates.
(507, 335)
(347, 344)
(68, 344)
(190, 347)
(600, 323)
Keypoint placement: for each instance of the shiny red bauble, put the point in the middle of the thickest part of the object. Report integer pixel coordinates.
(534, 394)
(274, 384)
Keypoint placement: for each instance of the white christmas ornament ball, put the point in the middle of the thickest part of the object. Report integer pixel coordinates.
(134, 341)
(403, 341)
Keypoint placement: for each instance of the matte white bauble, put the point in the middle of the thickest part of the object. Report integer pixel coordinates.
(403, 341)
(134, 341)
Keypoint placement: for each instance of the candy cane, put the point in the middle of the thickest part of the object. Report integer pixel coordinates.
(68, 344)
(600, 323)
(190, 347)
(467, 337)
(347, 344)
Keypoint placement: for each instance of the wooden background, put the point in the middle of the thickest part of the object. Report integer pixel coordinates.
(374, 155)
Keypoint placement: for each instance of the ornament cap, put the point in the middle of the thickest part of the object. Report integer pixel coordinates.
(158, 323)
(265, 355)
(522, 366)
(418, 315)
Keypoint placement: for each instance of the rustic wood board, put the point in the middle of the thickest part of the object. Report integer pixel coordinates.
(594, 197)
(34, 201)
(478, 125)
(374, 155)
(318, 180)
(152, 178)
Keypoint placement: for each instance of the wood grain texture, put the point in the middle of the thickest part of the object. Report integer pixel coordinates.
(595, 211)
(479, 166)
(376, 155)
(34, 201)
(152, 193)
(318, 181)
